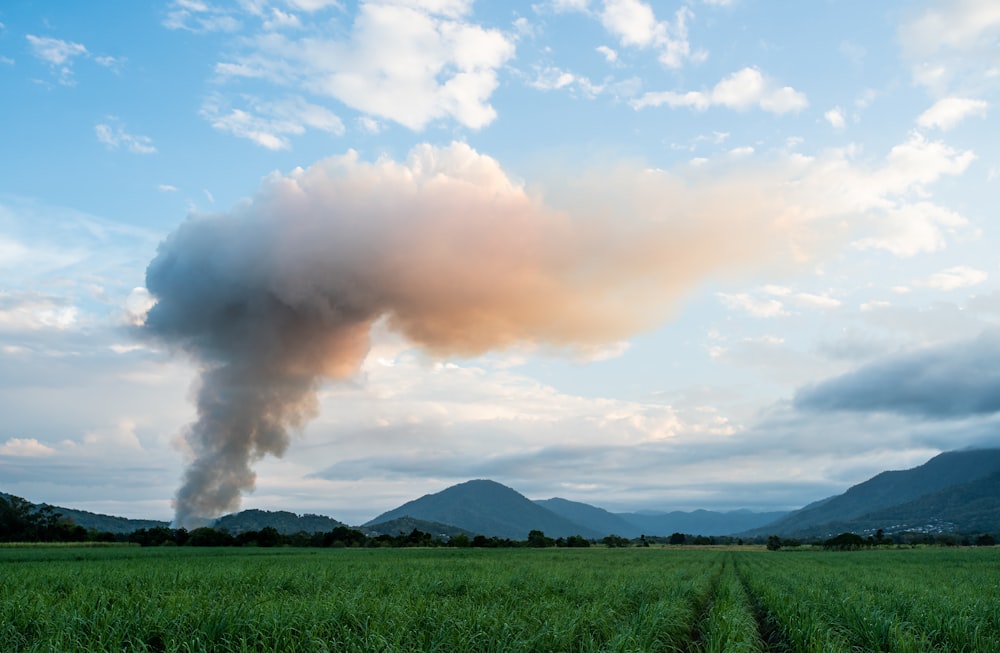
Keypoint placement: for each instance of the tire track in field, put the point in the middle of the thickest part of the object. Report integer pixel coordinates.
(702, 608)
(770, 631)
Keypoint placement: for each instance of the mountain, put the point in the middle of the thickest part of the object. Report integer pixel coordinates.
(969, 507)
(955, 490)
(284, 522)
(405, 525)
(596, 519)
(107, 523)
(700, 522)
(634, 524)
(96, 521)
(488, 508)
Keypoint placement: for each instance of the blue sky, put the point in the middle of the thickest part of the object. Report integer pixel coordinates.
(647, 255)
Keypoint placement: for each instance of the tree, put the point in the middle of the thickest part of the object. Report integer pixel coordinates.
(677, 538)
(845, 542)
(773, 542)
(538, 539)
(615, 541)
(268, 537)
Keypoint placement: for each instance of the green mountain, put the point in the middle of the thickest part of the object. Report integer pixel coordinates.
(283, 521)
(487, 508)
(107, 523)
(99, 522)
(957, 491)
(405, 525)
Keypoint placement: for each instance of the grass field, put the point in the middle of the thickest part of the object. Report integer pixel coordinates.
(655, 599)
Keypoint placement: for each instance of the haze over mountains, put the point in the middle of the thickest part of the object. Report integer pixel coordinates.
(957, 491)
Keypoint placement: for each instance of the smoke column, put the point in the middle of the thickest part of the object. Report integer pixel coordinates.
(279, 294)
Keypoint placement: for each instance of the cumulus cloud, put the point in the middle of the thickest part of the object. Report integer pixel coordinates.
(25, 448)
(609, 54)
(745, 89)
(429, 53)
(948, 112)
(635, 25)
(954, 380)
(835, 117)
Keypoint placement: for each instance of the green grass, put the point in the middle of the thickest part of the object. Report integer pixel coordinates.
(657, 599)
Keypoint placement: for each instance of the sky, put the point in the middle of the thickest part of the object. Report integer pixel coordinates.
(329, 256)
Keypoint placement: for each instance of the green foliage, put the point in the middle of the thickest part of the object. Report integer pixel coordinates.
(846, 542)
(615, 541)
(23, 521)
(253, 599)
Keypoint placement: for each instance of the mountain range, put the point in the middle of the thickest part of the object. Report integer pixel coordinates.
(954, 491)
(957, 491)
(489, 508)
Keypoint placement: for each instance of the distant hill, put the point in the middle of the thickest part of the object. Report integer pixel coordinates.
(956, 490)
(634, 524)
(487, 508)
(99, 522)
(596, 519)
(283, 521)
(107, 523)
(701, 522)
(405, 525)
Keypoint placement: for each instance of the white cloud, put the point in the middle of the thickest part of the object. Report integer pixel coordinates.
(742, 90)
(312, 5)
(553, 78)
(58, 54)
(948, 112)
(811, 300)
(609, 55)
(269, 124)
(763, 302)
(444, 66)
(25, 448)
(114, 136)
(55, 51)
(952, 40)
(835, 117)
(167, 188)
(960, 276)
(755, 306)
(24, 311)
(281, 20)
(199, 17)
(113, 63)
(635, 25)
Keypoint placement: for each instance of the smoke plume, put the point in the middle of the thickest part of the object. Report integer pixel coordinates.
(277, 295)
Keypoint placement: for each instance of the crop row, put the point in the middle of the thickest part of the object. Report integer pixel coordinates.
(908, 601)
